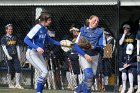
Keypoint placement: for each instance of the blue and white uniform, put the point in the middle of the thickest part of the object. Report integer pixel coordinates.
(97, 40)
(35, 39)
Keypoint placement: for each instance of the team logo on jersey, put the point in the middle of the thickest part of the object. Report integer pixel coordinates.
(11, 42)
(41, 32)
(42, 35)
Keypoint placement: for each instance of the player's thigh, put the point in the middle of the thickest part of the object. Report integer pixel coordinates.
(95, 63)
(10, 66)
(17, 65)
(34, 58)
(138, 68)
(132, 70)
(43, 60)
(84, 63)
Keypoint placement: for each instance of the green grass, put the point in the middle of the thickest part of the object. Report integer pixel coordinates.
(32, 91)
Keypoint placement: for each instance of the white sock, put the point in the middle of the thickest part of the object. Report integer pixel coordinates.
(106, 80)
(130, 75)
(138, 81)
(9, 79)
(124, 78)
(17, 78)
(96, 84)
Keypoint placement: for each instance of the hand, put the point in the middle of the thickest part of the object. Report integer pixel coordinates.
(40, 50)
(19, 58)
(88, 58)
(138, 58)
(126, 65)
(9, 57)
(125, 31)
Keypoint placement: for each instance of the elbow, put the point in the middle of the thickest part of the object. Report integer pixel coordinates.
(26, 39)
(120, 43)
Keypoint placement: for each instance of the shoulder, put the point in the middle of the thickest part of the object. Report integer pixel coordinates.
(100, 30)
(37, 26)
(132, 36)
(15, 36)
(3, 37)
(82, 29)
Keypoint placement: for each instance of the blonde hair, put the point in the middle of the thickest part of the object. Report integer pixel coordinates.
(92, 16)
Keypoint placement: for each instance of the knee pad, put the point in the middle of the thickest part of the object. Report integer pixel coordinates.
(88, 77)
(138, 68)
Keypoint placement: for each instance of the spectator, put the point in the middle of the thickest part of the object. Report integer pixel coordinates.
(108, 64)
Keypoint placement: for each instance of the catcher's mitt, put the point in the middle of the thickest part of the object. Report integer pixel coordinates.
(66, 45)
(84, 43)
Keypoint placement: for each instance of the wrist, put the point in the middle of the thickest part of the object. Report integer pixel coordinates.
(85, 55)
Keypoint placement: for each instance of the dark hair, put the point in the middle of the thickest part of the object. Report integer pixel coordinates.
(8, 25)
(44, 17)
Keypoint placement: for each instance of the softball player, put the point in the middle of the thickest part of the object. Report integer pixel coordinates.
(11, 49)
(89, 58)
(126, 39)
(35, 40)
(138, 61)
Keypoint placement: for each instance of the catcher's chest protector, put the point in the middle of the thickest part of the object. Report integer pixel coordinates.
(92, 35)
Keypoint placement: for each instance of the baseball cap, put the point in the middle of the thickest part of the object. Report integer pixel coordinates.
(129, 49)
(74, 29)
(126, 26)
(106, 32)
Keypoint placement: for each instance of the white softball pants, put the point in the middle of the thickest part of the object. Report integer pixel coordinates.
(85, 64)
(37, 61)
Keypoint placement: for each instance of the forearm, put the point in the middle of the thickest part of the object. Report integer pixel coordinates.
(5, 50)
(122, 39)
(52, 41)
(18, 51)
(138, 47)
(78, 49)
(29, 43)
(133, 64)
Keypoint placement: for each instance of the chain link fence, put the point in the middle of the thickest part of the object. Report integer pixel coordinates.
(61, 70)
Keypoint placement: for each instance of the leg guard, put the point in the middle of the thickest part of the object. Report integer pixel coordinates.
(86, 84)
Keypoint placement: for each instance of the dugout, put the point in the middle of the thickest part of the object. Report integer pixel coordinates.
(22, 15)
